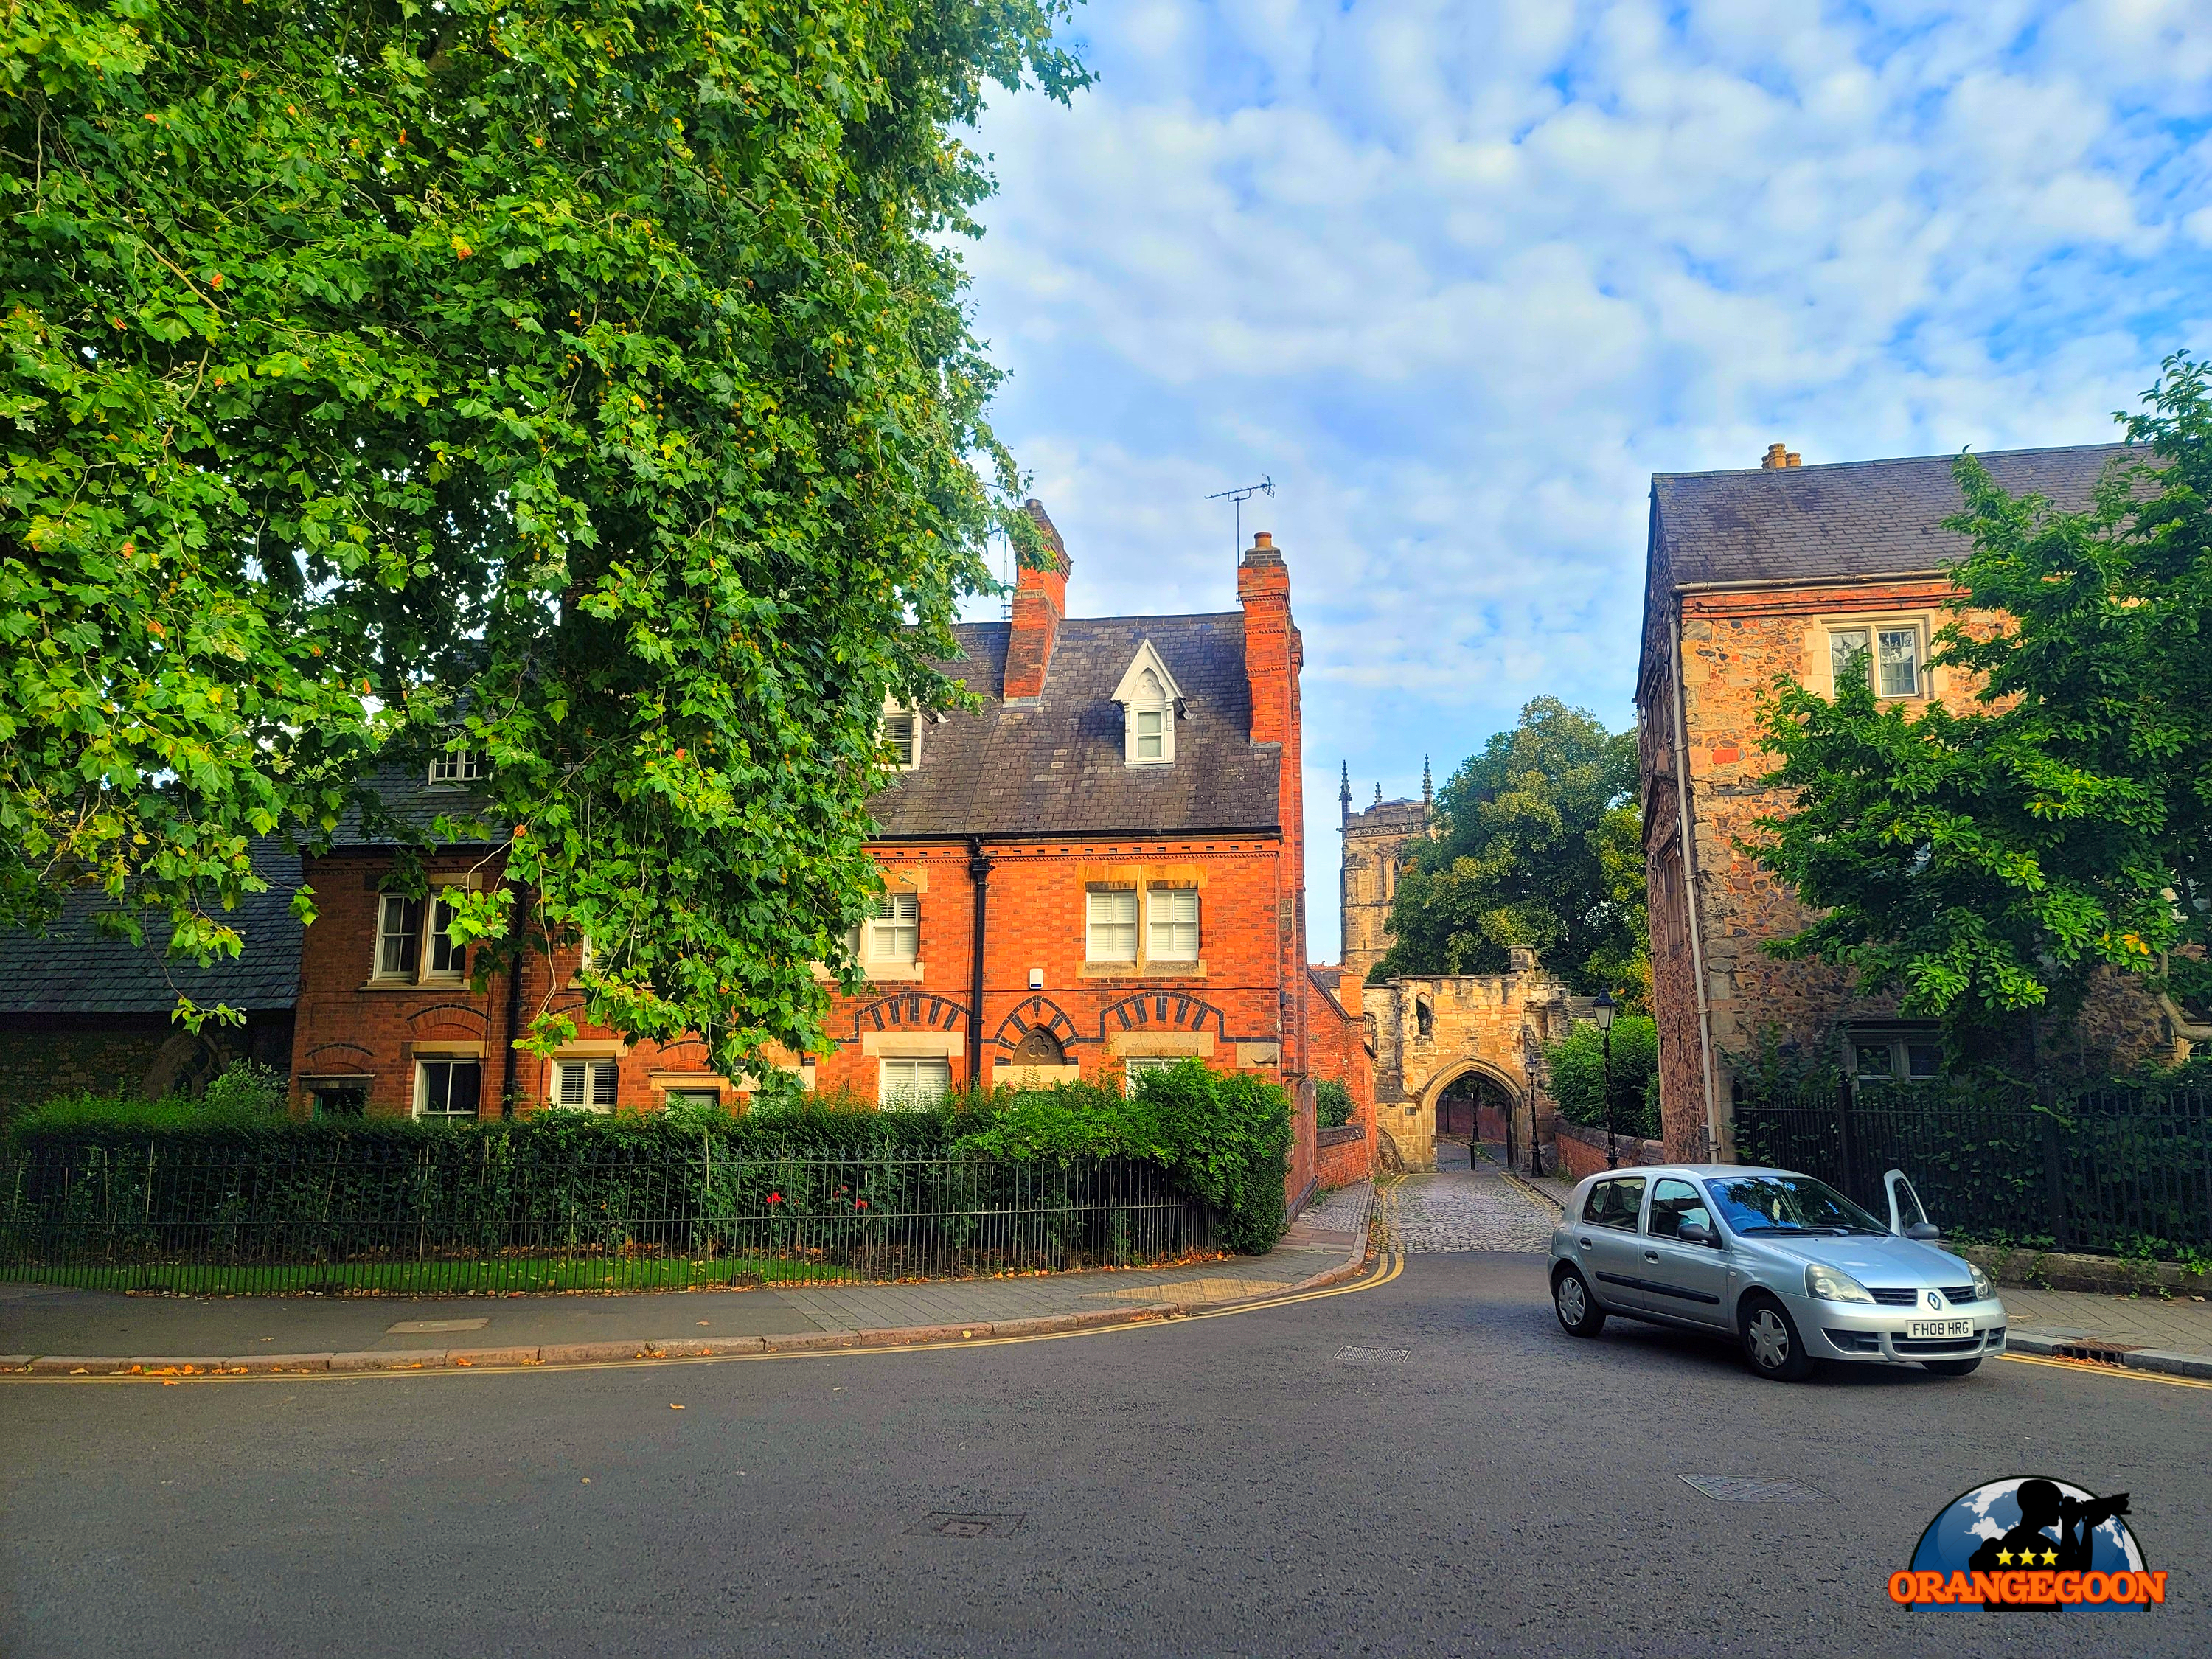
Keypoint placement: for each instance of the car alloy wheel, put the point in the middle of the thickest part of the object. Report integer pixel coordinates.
(1570, 1299)
(1770, 1343)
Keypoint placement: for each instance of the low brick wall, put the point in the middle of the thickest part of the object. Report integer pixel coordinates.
(1490, 1123)
(1581, 1151)
(1343, 1155)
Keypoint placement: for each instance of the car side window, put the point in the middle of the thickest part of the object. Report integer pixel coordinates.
(1614, 1203)
(1673, 1203)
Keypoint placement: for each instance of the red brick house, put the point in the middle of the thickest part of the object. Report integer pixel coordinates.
(1802, 572)
(1101, 869)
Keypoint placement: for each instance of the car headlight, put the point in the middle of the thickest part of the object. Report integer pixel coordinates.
(1983, 1290)
(1829, 1285)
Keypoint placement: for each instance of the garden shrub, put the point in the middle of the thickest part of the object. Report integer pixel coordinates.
(1332, 1104)
(1577, 1066)
(1222, 1136)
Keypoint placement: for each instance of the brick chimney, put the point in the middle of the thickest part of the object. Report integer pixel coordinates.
(1779, 456)
(1273, 655)
(1040, 601)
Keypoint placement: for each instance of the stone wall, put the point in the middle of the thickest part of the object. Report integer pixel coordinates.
(145, 1055)
(1734, 646)
(1427, 1032)
(1580, 1151)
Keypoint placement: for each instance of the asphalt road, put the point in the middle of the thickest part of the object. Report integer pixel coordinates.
(1216, 1485)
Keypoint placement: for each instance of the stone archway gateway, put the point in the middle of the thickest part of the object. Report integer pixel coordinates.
(1428, 1032)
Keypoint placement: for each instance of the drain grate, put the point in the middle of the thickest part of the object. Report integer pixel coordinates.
(1373, 1355)
(2102, 1353)
(1751, 1489)
(966, 1525)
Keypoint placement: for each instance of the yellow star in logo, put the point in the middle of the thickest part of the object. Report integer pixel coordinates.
(2050, 1557)
(2004, 1557)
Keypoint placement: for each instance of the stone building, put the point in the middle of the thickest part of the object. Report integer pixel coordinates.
(1803, 573)
(1377, 852)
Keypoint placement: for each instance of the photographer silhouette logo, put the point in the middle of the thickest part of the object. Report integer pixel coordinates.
(2029, 1544)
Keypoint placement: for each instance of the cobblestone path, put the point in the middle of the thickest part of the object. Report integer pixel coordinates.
(1460, 1209)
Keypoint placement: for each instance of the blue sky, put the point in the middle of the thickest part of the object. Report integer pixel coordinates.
(1461, 276)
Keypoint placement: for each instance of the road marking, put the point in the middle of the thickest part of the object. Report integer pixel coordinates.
(1388, 1267)
(2092, 1368)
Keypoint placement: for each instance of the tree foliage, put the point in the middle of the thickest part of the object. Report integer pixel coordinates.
(589, 385)
(1577, 1069)
(1536, 846)
(1987, 864)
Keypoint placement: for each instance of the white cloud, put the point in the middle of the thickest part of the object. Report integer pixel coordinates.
(1461, 278)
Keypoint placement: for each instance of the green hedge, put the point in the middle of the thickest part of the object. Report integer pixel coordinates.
(1224, 1136)
(1220, 1139)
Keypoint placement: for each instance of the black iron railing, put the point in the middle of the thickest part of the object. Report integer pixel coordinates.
(2108, 1171)
(456, 1217)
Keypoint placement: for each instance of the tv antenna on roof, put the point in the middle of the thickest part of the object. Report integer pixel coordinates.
(1239, 495)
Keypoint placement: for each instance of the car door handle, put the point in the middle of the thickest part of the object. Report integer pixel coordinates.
(1651, 1256)
(1585, 1243)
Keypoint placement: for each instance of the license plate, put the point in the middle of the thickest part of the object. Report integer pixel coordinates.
(1934, 1330)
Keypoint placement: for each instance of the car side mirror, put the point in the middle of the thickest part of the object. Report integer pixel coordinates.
(1926, 1232)
(1696, 1232)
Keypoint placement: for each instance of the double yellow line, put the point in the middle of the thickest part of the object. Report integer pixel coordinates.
(2090, 1366)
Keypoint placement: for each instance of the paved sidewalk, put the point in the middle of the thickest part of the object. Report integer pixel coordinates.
(59, 1331)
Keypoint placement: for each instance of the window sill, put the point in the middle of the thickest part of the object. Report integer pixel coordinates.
(1143, 970)
(1136, 765)
(884, 972)
(460, 983)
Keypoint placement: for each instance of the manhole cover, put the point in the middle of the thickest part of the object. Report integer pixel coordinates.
(1750, 1489)
(1373, 1355)
(967, 1526)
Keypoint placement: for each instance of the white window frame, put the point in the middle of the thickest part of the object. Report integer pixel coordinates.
(1835, 629)
(597, 1080)
(1165, 918)
(422, 1065)
(438, 960)
(1103, 914)
(900, 1085)
(909, 753)
(893, 934)
(456, 768)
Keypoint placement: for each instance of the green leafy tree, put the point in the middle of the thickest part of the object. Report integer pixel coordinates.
(1986, 866)
(1577, 1068)
(1536, 846)
(587, 384)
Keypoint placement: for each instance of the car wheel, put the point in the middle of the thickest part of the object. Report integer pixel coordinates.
(1579, 1314)
(1771, 1342)
(1953, 1367)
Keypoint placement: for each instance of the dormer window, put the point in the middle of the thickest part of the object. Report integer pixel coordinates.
(455, 767)
(902, 737)
(1150, 700)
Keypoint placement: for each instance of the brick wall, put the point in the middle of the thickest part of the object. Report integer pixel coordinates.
(1580, 1151)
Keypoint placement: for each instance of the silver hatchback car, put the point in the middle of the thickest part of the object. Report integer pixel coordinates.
(1782, 1264)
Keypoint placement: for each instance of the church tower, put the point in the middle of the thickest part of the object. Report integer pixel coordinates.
(1375, 851)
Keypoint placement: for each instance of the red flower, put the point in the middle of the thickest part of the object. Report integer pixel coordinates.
(864, 1203)
(775, 1198)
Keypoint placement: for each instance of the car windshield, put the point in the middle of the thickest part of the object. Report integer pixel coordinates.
(1788, 1204)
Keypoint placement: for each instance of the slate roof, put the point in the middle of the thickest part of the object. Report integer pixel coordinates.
(71, 970)
(409, 795)
(1852, 519)
(1056, 767)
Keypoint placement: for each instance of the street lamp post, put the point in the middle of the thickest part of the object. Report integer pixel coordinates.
(1604, 1009)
